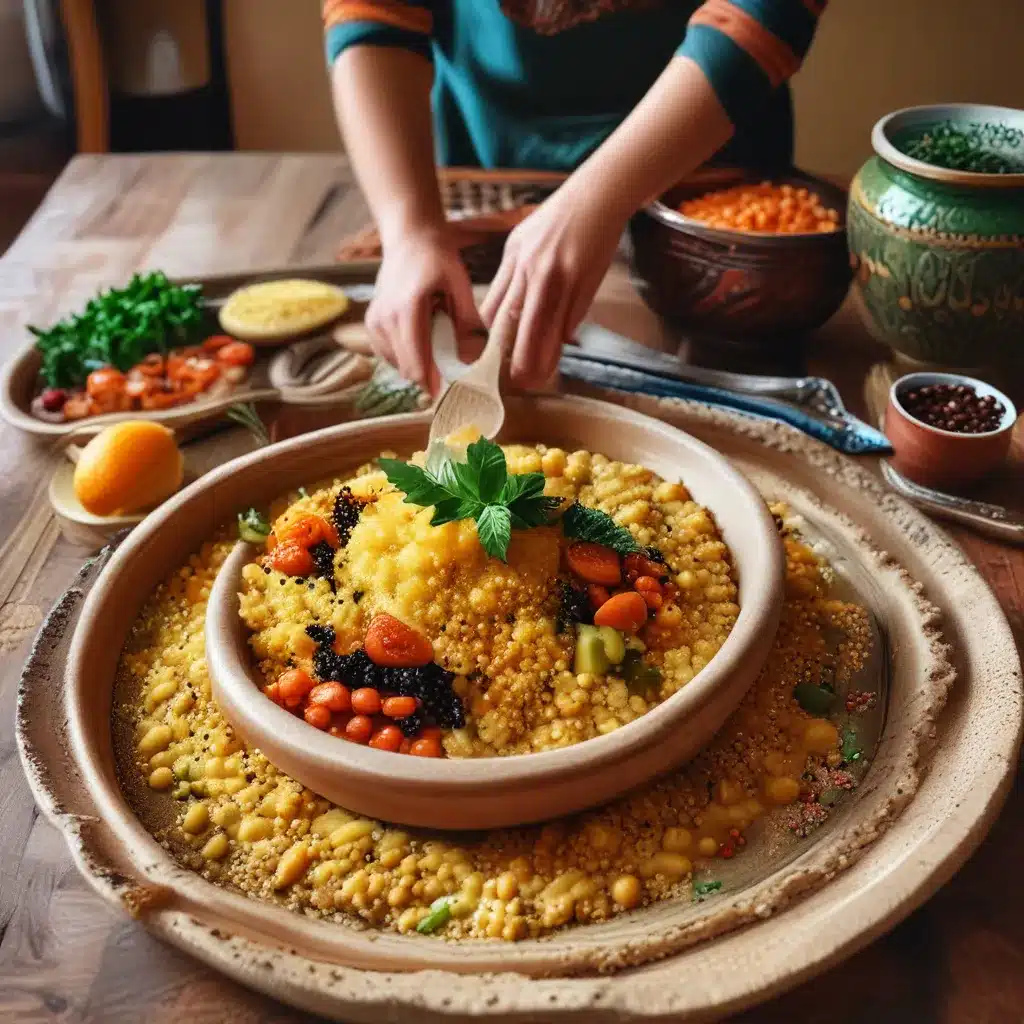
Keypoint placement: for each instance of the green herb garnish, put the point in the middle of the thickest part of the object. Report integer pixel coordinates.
(479, 488)
(850, 750)
(119, 328)
(638, 675)
(245, 415)
(829, 797)
(597, 527)
(702, 889)
(253, 526)
(814, 699)
(440, 914)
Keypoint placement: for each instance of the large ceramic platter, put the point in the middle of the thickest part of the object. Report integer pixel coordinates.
(311, 372)
(937, 778)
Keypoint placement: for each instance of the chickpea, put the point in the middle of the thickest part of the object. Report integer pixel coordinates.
(626, 891)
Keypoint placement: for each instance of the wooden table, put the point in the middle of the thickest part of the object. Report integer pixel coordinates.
(66, 956)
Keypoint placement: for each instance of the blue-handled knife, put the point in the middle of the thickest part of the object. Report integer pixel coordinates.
(811, 404)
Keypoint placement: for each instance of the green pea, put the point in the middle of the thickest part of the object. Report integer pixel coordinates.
(440, 914)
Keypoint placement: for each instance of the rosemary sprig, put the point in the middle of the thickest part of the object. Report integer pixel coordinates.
(245, 415)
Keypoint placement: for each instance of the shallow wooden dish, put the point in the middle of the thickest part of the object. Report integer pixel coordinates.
(486, 792)
(310, 372)
(933, 789)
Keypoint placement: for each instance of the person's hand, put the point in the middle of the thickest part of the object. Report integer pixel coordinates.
(553, 264)
(421, 272)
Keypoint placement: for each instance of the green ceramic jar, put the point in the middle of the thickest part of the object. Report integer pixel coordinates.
(938, 254)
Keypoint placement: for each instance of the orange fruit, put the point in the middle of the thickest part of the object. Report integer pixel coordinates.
(128, 467)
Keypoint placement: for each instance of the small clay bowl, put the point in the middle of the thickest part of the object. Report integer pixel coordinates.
(746, 288)
(944, 459)
(477, 793)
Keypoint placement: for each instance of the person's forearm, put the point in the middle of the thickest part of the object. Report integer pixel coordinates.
(382, 96)
(676, 127)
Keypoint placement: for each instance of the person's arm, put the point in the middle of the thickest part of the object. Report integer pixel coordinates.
(381, 77)
(736, 52)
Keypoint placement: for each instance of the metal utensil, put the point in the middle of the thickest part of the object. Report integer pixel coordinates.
(847, 435)
(816, 394)
(995, 521)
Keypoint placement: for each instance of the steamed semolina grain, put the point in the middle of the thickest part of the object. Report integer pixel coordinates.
(238, 821)
(493, 624)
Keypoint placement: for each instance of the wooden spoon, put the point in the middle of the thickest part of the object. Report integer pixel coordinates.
(473, 398)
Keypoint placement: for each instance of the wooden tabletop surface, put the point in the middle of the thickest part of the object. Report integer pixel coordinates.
(66, 956)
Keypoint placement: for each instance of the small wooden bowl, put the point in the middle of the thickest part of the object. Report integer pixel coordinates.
(737, 286)
(500, 791)
(942, 458)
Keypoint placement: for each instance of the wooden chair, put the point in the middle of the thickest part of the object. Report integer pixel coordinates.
(88, 75)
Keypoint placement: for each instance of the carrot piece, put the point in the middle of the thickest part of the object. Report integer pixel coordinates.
(215, 342)
(399, 707)
(151, 365)
(292, 559)
(105, 381)
(424, 747)
(359, 729)
(236, 353)
(366, 701)
(333, 696)
(597, 594)
(650, 590)
(391, 642)
(293, 685)
(387, 737)
(626, 612)
(317, 716)
(308, 530)
(594, 563)
(638, 565)
(273, 691)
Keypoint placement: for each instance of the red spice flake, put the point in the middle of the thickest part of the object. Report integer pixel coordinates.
(805, 818)
(859, 701)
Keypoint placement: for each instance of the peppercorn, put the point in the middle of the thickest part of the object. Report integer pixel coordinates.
(954, 407)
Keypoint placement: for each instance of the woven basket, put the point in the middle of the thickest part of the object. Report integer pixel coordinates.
(482, 207)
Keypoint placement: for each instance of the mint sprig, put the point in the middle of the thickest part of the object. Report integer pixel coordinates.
(597, 527)
(479, 488)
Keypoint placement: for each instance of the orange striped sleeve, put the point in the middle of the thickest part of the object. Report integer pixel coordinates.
(393, 13)
(776, 58)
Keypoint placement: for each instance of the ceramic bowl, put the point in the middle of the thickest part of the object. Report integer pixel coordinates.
(736, 286)
(939, 254)
(490, 792)
(941, 458)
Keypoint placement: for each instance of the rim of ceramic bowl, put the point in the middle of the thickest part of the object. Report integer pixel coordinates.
(661, 211)
(463, 775)
(924, 377)
(935, 113)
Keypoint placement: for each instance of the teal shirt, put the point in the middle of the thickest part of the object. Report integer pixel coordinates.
(512, 89)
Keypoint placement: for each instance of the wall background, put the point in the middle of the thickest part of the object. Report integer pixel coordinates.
(870, 57)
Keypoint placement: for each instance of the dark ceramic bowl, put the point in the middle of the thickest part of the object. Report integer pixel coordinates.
(739, 286)
(944, 459)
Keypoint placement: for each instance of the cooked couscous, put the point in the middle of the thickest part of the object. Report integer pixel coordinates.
(553, 640)
(240, 822)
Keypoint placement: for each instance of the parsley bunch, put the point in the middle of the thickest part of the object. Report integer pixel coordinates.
(119, 328)
(480, 488)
